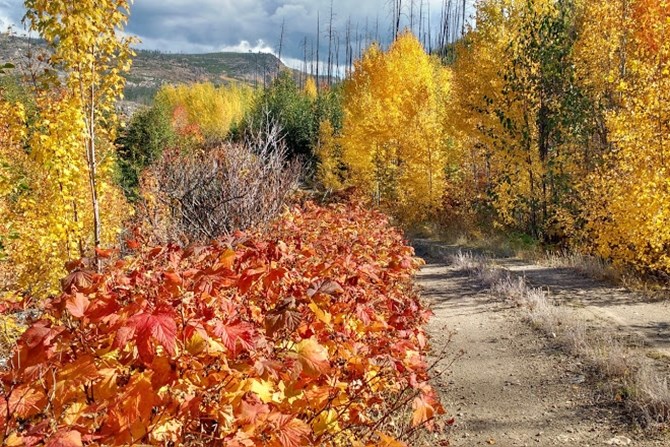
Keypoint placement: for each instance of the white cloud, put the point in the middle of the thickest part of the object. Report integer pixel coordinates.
(245, 47)
(4, 23)
(243, 25)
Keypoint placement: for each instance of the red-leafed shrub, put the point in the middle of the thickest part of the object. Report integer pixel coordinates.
(309, 334)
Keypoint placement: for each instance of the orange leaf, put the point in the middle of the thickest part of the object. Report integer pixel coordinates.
(289, 432)
(423, 411)
(65, 439)
(313, 357)
(104, 253)
(81, 280)
(77, 305)
(326, 288)
(227, 258)
(280, 318)
(26, 402)
(234, 335)
(172, 278)
(388, 441)
(133, 244)
(160, 326)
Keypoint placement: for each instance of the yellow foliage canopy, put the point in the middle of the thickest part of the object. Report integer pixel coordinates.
(626, 65)
(393, 145)
(62, 161)
(212, 110)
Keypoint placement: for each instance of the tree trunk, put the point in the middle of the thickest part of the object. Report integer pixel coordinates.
(92, 178)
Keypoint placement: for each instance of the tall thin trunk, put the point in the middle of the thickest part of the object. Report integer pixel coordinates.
(304, 63)
(421, 23)
(430, 32)
(463, 24)
(93, 174)
(318, 35)
(397, 19)
(330, 45)
(311, 59)
(281, 45)
(358, 42)
(337, 56)
(348, 49)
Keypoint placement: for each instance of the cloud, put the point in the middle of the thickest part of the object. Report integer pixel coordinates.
(245, 47)
(213, 25)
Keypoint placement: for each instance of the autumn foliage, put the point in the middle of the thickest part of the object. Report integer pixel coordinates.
(393, 145)
(309, 334)
(560, 114)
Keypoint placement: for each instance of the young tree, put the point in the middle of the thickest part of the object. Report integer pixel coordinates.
(84, 35)
(393, 144)
(624, 61)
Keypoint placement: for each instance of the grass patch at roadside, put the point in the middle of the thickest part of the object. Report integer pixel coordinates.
(621, 369)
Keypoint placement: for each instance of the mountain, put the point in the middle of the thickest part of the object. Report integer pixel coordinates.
(151, 69)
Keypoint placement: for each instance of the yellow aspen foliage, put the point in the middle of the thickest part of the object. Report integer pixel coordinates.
(12, 182)
(515, 113)
(213, 111)
(393, 144)
(624, 54)
(66, 203)
(470, 116)
(330, 170)
(310, 88)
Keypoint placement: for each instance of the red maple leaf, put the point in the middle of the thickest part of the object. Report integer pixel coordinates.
(235, 335)
(141, 327)
(77, 305)
(65, 438)
(289, 431)
(252, 412)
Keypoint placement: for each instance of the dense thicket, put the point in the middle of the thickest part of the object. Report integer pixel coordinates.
(308, 334)
(563, 136)
(549, 119)
(298, 111)
(58, 196)
(392, 144)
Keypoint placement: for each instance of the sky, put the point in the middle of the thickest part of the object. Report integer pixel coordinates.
(197, 26)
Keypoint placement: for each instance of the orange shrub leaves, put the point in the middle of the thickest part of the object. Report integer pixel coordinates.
(307, 334)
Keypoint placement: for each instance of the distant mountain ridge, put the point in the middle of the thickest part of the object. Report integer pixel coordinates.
(151, 69)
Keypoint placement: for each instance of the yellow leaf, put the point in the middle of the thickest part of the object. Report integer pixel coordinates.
(322, 315)
(263, 389)
(326, 421)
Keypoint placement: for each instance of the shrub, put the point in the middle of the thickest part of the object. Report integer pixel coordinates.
(299, 113)
(286, 104)
(141, 144)
(310, 334)
(202, 194)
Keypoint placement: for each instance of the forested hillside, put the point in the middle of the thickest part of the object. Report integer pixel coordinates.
(153, 69)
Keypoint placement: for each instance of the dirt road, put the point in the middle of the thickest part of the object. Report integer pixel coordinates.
(512, 386)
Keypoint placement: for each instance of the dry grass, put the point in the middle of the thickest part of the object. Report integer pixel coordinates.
(620, 368)
(468, 262)
(590, 266)
(653, 396)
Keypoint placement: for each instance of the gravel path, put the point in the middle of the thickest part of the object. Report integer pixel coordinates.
(511, 387)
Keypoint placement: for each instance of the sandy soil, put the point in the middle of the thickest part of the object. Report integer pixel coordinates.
(511, 386)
